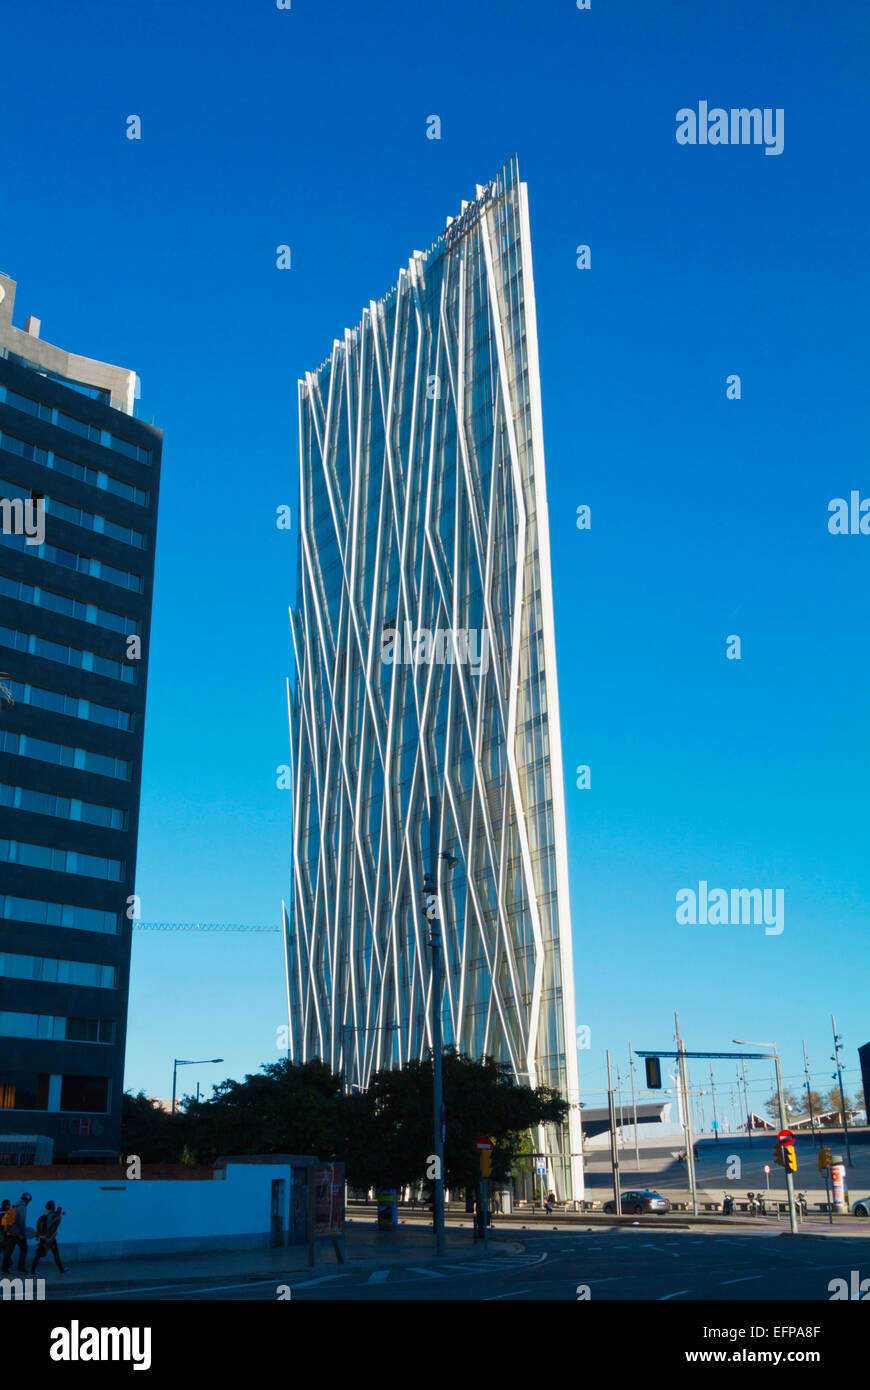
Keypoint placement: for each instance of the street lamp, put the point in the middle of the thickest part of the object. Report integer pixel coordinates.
(789, 1180)
(181, 1062)
(430, 890)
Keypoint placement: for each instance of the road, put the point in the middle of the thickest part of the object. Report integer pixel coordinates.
(617, 1263)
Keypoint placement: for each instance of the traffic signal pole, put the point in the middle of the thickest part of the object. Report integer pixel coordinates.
(687, 1116)
(783, 1122)
(614, 1148)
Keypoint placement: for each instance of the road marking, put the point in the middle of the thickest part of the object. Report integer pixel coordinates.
(515, 1294)
(747, 1280)
(433, 1274)
(379, 1276)
(674, 1295)
(183, 1288)
(324, 1279)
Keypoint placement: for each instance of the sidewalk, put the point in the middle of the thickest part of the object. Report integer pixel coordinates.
(364, 1243)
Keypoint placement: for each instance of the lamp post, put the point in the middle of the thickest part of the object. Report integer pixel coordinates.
(809, 1091)
(789, 1180)
(430, 890)
(182, 1062)
(839, 1077)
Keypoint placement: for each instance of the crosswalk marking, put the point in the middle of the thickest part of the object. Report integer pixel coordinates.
(379, 1276)
(432, 1273)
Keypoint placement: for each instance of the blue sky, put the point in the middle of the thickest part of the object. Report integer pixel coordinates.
(262, 127)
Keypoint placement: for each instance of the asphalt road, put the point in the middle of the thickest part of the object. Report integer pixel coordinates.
(621, 1264)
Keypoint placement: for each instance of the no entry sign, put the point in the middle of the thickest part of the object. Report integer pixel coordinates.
(786, 1138)
(483, 1146)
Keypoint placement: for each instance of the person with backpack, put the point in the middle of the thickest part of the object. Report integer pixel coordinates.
(7, 1216)
(46, 1229)
(16, 1235)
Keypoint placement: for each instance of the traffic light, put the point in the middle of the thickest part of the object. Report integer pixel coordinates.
(486, 1164)
(791, 1159)
(824, 1159)
(653, 1074)
(777, 1155)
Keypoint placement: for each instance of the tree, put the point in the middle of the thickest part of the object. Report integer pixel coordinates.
(148, 1131)
(793, 1105)
(388, 1132)
(832, 1101)
(291, 1108)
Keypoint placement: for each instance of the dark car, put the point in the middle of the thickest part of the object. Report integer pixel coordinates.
(640, 1202)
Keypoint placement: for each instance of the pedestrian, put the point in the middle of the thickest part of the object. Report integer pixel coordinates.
(46, 1229)
(17, 1236)
(550, 1202)
(7, 1216)
(728, 1205)
(695, 1152)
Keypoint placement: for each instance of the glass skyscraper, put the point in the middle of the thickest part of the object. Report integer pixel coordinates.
(425, 666)
(79, 477)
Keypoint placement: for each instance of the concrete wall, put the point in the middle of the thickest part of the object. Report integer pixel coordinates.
(111, 1217)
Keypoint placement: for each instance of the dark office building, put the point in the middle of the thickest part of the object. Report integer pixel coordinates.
(79, 480)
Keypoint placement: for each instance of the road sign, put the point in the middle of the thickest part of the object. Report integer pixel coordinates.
(541, 1169)
(483, 1145)
(786, 1138)
(767, 1167)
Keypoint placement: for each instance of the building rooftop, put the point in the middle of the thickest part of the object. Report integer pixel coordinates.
(116, 385)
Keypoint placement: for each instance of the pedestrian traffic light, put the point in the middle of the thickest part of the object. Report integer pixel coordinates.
(653, 1074)
(824, 1159)
(777, 1155)
(791, 1159)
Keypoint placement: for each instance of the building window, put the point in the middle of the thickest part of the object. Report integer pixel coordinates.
(62, 603)
(48, 970)
(23, 1090)
(70, 705)
(25, 746)
(85, 1093)
(61, 861)
(54, 1028)
(64, 807)
(46, 914)
(71, 560)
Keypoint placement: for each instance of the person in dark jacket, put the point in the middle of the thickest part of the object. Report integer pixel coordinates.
(17, 1236)
(4, 1225)
(46, 1229)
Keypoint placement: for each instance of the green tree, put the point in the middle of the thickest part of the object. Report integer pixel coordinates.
(291, 1108)
(148, 1131)
(388, 1132)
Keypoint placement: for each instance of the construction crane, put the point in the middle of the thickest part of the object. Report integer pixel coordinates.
(199, 926)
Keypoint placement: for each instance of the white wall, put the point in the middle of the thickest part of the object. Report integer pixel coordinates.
(109, 1218)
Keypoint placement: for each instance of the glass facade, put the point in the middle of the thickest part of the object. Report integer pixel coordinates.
(425, 667)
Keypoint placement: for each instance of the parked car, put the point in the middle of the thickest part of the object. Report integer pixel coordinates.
(861, 1207)
(639, 1202)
